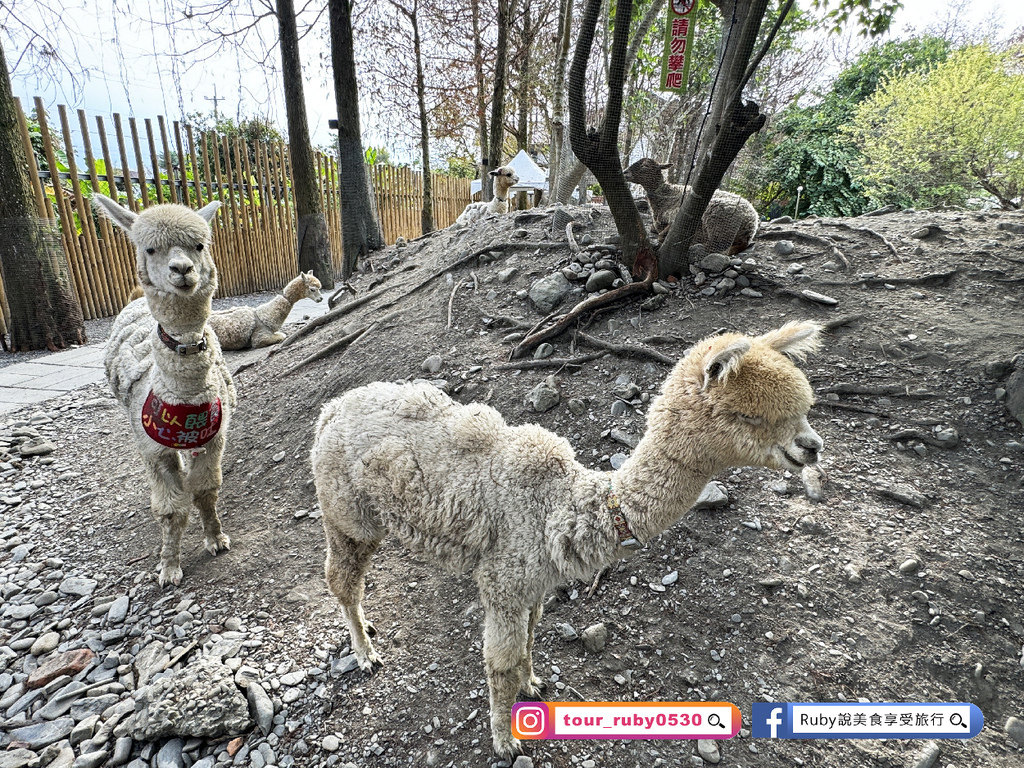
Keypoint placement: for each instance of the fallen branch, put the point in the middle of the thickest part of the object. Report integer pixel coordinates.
(341, 343)
(900, 390)
(179, 655)
(659, 339)
(624, 350)
(867, 231)
(831, 325)
(851, 407)
(924, 437)
(334, 314)
(550, 362)
(792, 234)
(573, 245)
(451, 302)
(940, 278)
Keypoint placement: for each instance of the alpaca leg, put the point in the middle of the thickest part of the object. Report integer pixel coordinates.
(204, 481)
(261, 338)
(345, 568)
(532, 685)
(170, 506)
(505, 639)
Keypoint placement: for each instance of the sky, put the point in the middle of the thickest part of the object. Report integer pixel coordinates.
(130, 68)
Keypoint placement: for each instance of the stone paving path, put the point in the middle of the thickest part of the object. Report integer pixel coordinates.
(22, 384)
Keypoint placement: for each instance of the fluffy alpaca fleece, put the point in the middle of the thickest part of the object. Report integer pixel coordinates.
(504, 179)
(178, 277)
(728, 225)
(460, 487)
(244, 327)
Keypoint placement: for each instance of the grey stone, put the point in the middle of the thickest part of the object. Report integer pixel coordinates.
(346, 664)
(819, 298)
(617, 460)
(150, 660)
(61, 702)
(708, 750)
(543, 351)
(909, 566)
(18, 758)
(45, 643)
(712, 497)
(170, 754)
(784, 248)
(548, 292)
(507, 274)
(523, 762)
(75, 585)
(670, 578)
(929, 754)
(544, 396)
(39, 735)
(330, 743)
(92, 705)
(620, 408)
(91, 759)
(1015, 394)
(201, 701)
(595, 637)
(208, 762)
(714, 262)
(1010, 226)
(1015, 729)
(432, 364)
(577, 406)
(751, 293)
(37, 446)
(118, 610)
(123, 750)
(261, 708)
(603, 278)
(84, 730)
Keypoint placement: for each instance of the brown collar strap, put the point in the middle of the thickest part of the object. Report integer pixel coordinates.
(176, 346)
(627, 538)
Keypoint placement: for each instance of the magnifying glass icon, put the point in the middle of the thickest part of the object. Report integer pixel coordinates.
(957, 721)
(716, 722)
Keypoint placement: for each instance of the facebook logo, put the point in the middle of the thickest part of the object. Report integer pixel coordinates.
(768, 720)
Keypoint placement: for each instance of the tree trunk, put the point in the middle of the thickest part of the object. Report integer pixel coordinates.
(481, 95)
(360, 230)
(523, 136)
(738, 122)
(45, 313)
(497, 137)
(427, 214)
(314, 243)
(598, 149)
(558, 109)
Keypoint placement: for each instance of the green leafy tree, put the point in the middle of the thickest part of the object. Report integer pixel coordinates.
(807, 146)
(947, 135)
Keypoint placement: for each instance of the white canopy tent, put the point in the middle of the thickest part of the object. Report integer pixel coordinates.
(531, 176)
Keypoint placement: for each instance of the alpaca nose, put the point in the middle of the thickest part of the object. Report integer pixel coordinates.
(181, 267)
(811, 443)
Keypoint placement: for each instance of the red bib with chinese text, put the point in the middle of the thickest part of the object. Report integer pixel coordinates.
(180, 425)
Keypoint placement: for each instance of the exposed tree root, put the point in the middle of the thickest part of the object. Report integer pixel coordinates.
(831, 325)
(866, 231)
(334, 314)
(851, 407)
(563, 322)
(900, 390)
(938, 278)
(341, 343)
(924, 437)
(451, 301)
(550, 362)
(793, 234)
(625, 350)
(597, 580)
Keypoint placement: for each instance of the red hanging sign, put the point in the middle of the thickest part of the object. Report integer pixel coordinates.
(180, 425)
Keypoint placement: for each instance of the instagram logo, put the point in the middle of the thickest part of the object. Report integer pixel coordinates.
(529, 721)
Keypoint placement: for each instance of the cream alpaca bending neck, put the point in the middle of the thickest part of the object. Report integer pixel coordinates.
(244, 327)
(165, 366)
(459, 486)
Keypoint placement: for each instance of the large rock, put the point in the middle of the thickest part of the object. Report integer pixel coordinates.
(70, 663)
(1015, 393)
(40, 735)
(712, 497)
(548, 292)
(200, 701)
(544, 396)
(603, 278)
(715, 262)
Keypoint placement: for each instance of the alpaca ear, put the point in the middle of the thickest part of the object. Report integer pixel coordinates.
(718, 367)
(117, 213)
(209, 210)
(794, 339)
(495, 173)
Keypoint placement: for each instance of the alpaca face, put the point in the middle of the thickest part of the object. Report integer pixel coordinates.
(312, 286)
(505, 176)
(172, 244)
(646, 172)
(750, 401)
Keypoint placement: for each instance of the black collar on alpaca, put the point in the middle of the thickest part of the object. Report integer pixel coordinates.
(501, 199)
(176, 346)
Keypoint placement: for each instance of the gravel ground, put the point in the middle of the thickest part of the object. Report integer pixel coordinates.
(97, 329)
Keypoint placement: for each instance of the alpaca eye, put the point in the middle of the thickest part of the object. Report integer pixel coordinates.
(715, 369)
(151, 251)
(199, 247)
(754, 420)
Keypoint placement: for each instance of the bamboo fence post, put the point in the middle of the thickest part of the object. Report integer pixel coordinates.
(105, 246)
(186, 198)
(268, 231)
(292, 217)
(196, 174)
(253, 266)
(167, 157)
(261, 243)
(126, 168)
(141, 169)
(213, 146)
(72, 247)
(274, 193)
(96, 272)
(125, 249)
(157, 181)
(33, 169)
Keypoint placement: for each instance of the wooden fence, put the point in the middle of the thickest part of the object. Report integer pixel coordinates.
(254, 233)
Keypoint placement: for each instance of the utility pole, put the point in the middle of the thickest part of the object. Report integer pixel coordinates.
(215, 100)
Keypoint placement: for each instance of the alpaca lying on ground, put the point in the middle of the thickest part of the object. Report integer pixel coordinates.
(165, 366)
(504, 179)
(244, 327)
(728, 225)
(459, 486)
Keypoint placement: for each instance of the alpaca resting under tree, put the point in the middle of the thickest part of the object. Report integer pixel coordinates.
(460, 487)
(244, 327)
(165, 366)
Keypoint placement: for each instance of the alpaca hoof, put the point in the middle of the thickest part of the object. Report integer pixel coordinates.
(169, 575)
(368, 660)
(507, 747)
(535, 687)
(221, 543)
